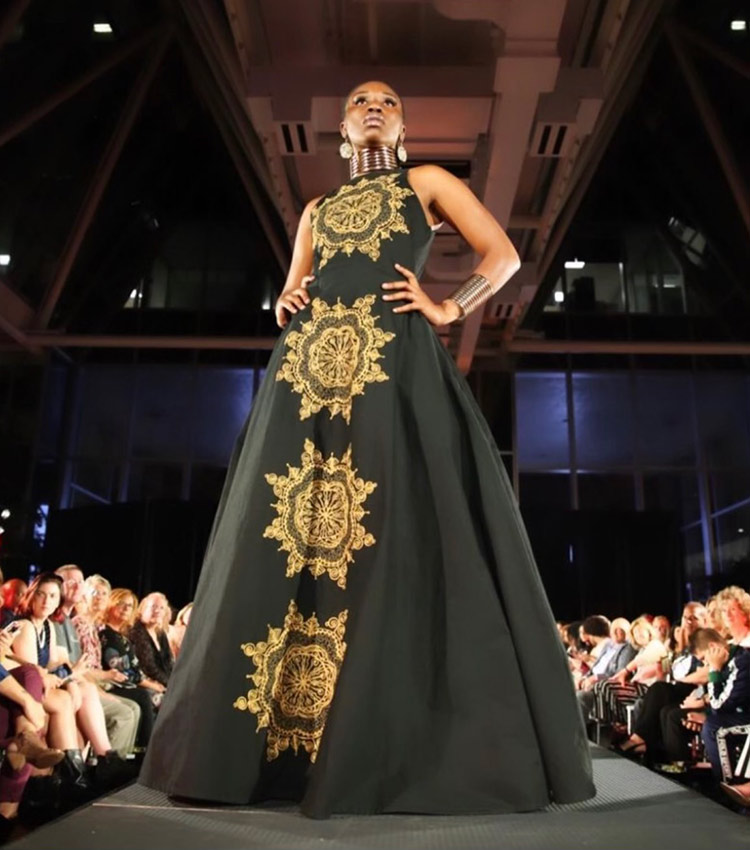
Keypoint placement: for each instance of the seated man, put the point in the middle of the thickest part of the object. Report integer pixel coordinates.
(610, 652)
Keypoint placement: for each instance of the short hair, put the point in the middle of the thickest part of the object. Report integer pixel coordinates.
(145, 601)
(118, 595)
(596, 626)
(67, 568)
(95, 579)
(739, 595)
(701, 639)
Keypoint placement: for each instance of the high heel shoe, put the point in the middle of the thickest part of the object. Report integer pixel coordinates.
(29, 748)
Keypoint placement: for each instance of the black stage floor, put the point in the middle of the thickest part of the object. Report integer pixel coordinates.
(634, 808)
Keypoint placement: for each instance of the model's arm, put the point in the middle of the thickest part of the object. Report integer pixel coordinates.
(294, 296)
(438, 189)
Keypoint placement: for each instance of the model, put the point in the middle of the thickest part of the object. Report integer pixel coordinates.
(370, 632)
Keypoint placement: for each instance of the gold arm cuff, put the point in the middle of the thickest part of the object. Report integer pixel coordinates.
(476, 291)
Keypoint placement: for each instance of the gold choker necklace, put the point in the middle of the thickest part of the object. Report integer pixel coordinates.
(381, 158)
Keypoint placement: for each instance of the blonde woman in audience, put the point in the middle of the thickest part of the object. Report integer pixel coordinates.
(176, 632)
(734, 612)
(149, 638)
(714, 619)
(118, 652)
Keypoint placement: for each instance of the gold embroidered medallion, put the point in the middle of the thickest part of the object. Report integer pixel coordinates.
(359, 217)
(319, 513)
(295, 679)
(334, 355)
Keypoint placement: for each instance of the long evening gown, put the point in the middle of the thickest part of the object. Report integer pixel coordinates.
(370, 631)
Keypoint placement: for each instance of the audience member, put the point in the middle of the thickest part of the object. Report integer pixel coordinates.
(12, 593)
(117, 650)
(176, 631)
(121, 716)
(149, 638)
(88, 621)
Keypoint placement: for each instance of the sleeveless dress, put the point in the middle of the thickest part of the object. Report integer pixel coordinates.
(370, 632)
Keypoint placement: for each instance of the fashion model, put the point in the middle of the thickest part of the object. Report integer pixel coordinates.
(370, 632)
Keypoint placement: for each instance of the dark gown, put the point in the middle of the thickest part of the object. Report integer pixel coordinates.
(370, 631)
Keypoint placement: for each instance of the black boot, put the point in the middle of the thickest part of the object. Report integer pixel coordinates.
(112, 771)
(73, 774)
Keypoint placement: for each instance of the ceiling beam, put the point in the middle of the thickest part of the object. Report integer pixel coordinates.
(100, 181)
(712, 126)
(124, 51)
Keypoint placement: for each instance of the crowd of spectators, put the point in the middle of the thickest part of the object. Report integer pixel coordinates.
(83, 670)
(678, 698)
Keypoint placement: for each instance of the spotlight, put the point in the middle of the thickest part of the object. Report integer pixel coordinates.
(2, 530)
(574, 264)
(559, 296)
(4, 514)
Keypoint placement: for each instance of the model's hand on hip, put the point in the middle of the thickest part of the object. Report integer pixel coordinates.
(416, 298)
(292, 301)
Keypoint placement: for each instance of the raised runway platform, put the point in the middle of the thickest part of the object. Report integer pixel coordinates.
(634, 808)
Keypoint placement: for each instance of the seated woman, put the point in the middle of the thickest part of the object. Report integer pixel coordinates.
(659, 729)
(11, 592)
(118, 652)
(21, 718)
(88, 622)
(72, 703)
(149, 638)
(633, 680)
(176, 631)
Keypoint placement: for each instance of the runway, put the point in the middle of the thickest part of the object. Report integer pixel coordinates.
(634, 808)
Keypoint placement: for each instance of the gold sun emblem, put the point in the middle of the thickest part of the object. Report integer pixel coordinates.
(334, 356)
(295, 679)
(359, 217)
(319, 513)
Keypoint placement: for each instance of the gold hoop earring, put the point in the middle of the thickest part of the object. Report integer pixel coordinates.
(401, 152)
(346, 151)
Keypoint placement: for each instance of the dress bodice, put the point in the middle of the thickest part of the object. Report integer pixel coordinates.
(368, 224)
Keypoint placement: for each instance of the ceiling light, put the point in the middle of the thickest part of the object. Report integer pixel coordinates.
(4, 259)
(574, 264)
(738, 26)
(559, 296)
(5, 514)
(102, 26)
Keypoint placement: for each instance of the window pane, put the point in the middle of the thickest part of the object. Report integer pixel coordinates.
(542, 421)
(724, 419)
(604, 429)
(540, 491)
(153, 480)
(666, 435)
(673, 491)
(732, 530)
(606, 492)
(728, 488)
(695, 556)
(162, 421)
(223, 399)
(104, 413)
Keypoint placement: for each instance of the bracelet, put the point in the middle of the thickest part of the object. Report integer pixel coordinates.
(476, 291)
